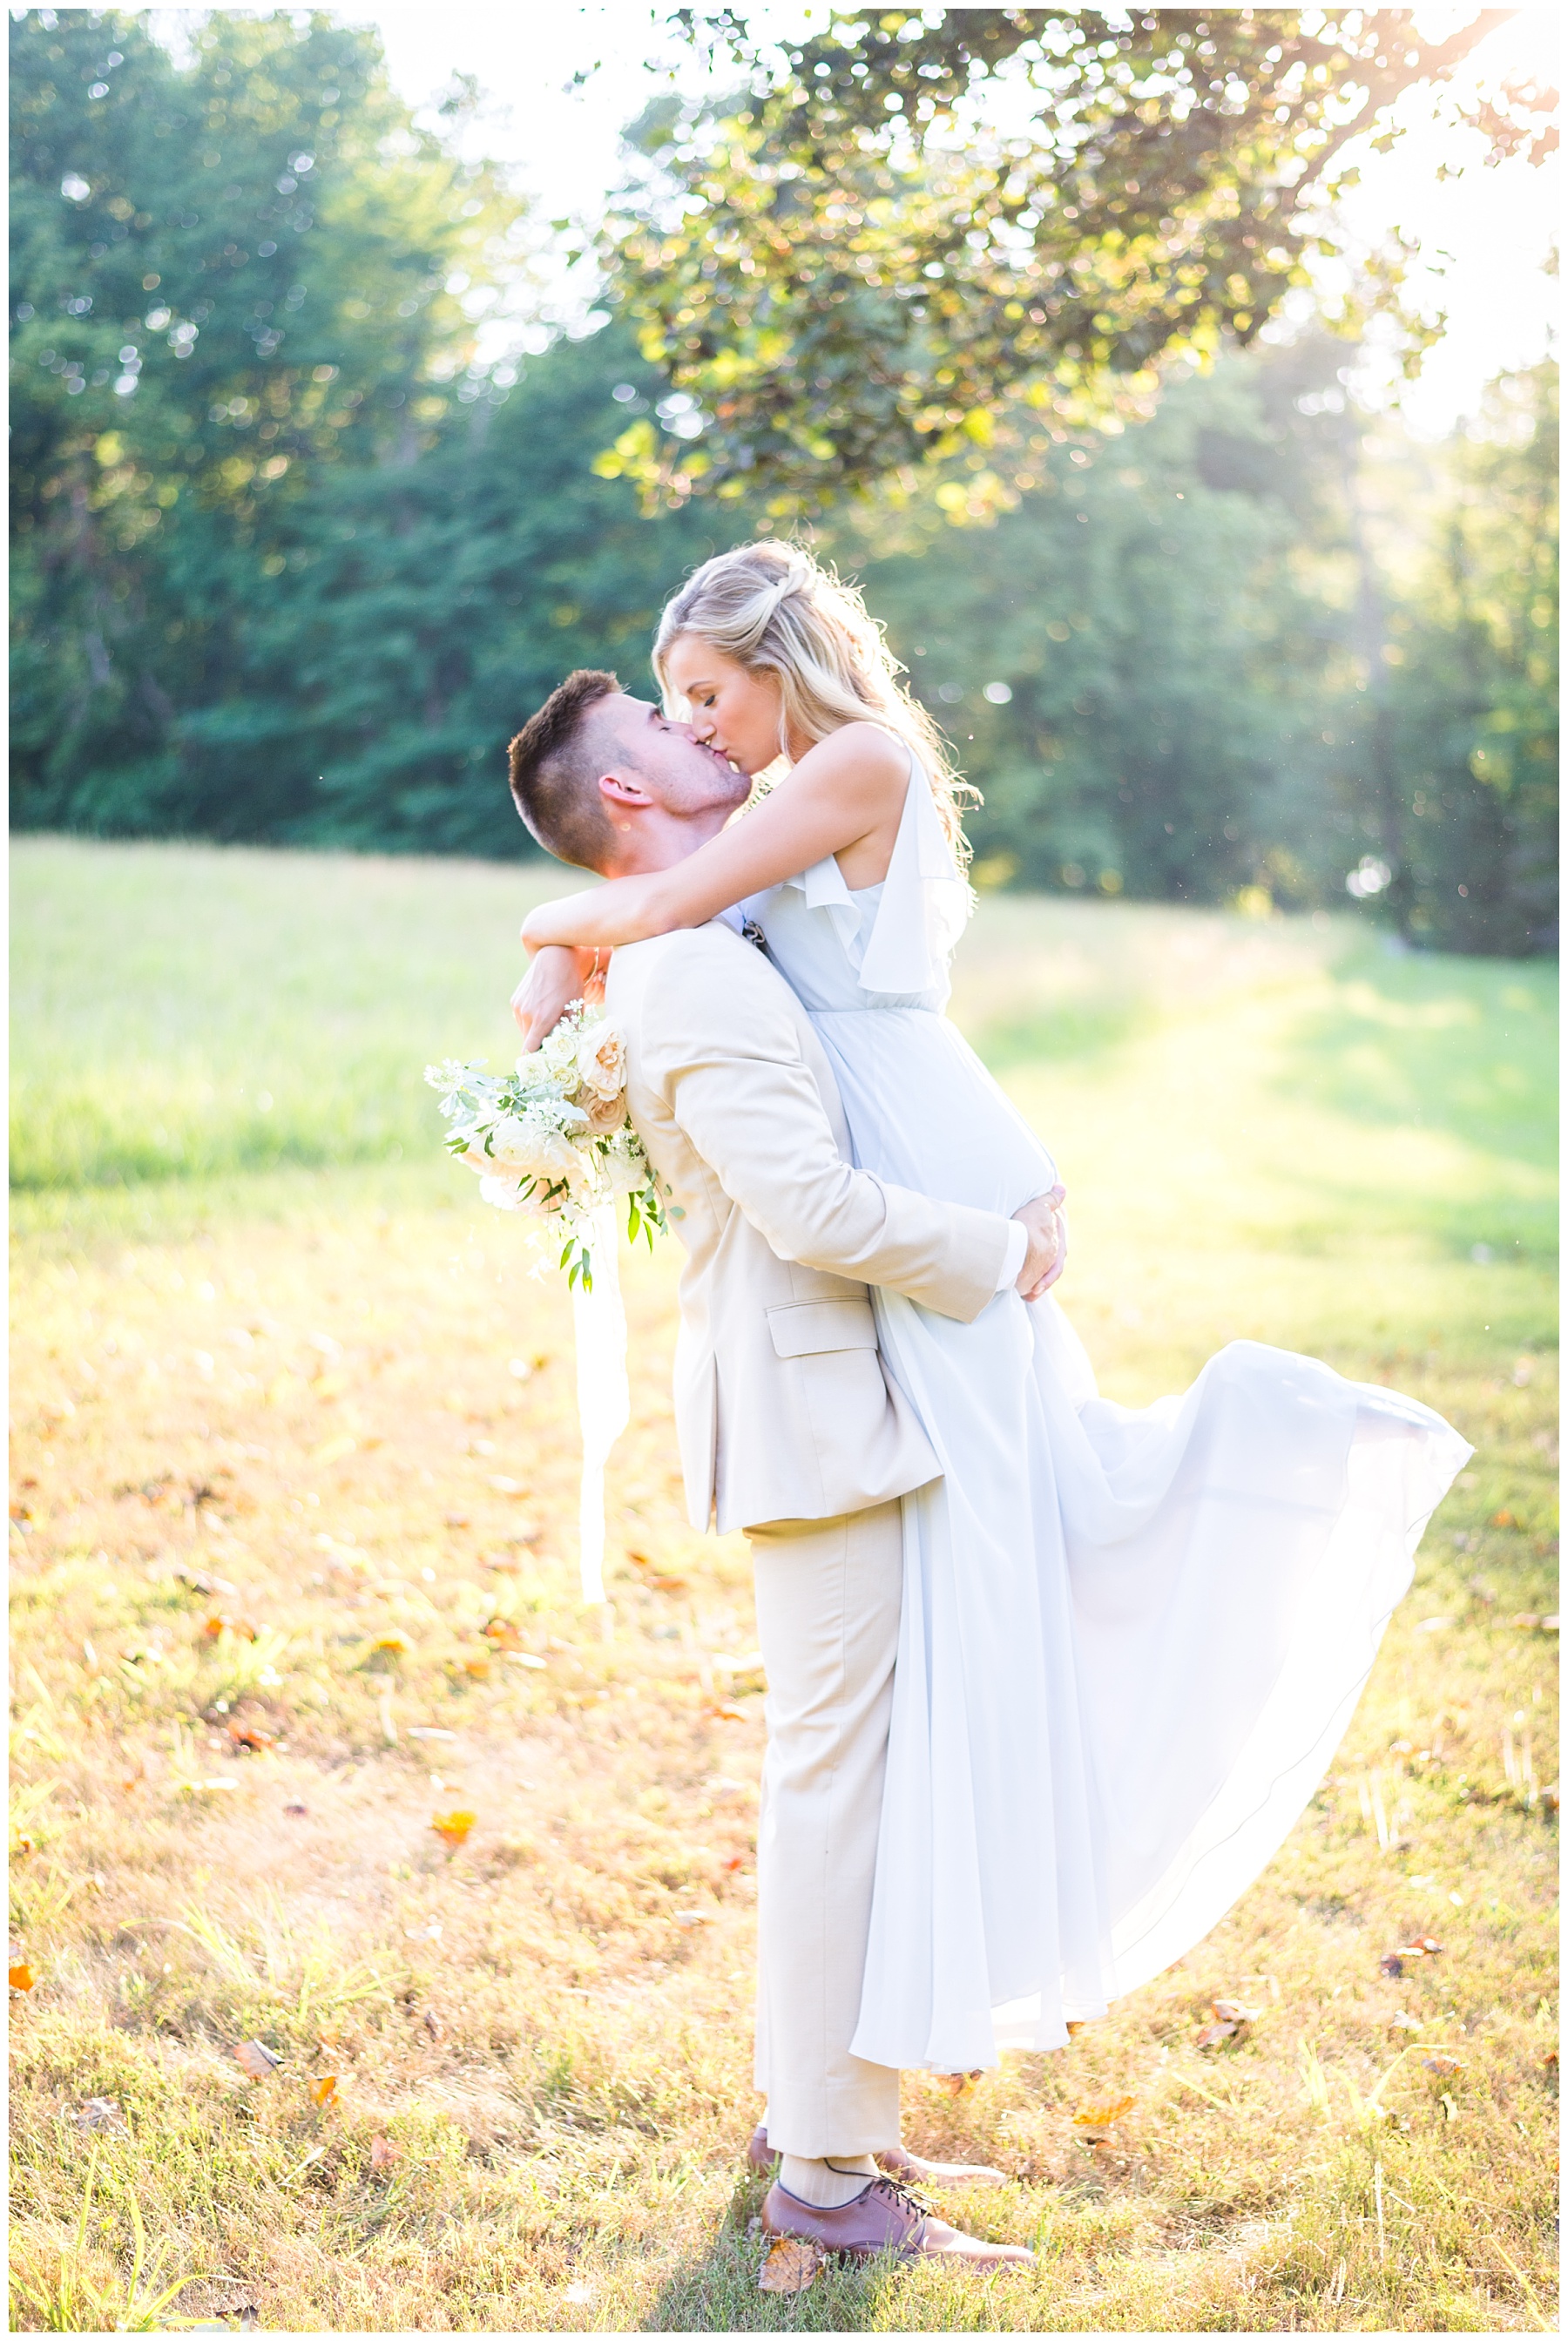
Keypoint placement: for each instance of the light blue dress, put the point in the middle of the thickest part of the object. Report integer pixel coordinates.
(1131, 1638)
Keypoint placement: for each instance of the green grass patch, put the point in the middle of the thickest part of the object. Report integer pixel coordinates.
(190, 1011)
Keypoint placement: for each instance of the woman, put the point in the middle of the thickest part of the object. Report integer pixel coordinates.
(1131, 1638)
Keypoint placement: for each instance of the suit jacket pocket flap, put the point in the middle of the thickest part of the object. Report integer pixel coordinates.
(802, 1328)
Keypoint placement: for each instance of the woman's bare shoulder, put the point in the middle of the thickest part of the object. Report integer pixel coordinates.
(866, 751)
(871, 739)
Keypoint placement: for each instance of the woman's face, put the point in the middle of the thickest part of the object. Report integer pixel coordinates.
(729, 710)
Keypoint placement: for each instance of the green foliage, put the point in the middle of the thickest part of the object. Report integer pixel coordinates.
(914, 232)
(1192, 666)
(427, 607)
(1474, 694)
(1129, 662)
(231, 278)
(300, 567)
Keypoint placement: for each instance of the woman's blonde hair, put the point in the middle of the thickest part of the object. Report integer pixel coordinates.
(774, 611)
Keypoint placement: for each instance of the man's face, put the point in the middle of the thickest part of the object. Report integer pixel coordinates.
(665, 759)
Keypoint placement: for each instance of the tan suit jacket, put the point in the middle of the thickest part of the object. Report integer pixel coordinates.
(783, 1410)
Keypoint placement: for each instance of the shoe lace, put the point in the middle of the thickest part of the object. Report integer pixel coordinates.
(892, 2190)
(900, 2191)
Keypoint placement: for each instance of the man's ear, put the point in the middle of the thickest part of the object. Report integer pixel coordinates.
(619, 790)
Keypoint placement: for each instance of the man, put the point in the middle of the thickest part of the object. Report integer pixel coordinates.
(788, 1425)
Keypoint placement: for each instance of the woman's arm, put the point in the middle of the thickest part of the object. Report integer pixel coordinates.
(847, 790)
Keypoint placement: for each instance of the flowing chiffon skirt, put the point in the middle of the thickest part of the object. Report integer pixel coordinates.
(1131, 1638)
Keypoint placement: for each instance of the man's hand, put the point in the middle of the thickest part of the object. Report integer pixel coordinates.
(1045, 1223)
(558, 975)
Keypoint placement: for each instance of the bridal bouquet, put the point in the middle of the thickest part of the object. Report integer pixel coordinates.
(552, 1139)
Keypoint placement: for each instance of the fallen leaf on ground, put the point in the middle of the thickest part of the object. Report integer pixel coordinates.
(25, 1844)
(1420, 1947)
(1212, 2036)
(1096, 2119)
(21, 1977)
(1503, 1520)
(716, 1714)
(1440, 2063)
(432, 2024)
(952, 2084)
(1234, 2011)
(198, 1582)
(383, 2154)
(296, 1808)
(325, 2090)
(395, 1645)
(254, 2057)
(1390, 1964)
(98, 2113)
(667, 1584)
(790, 2266)
(247, 1735)
(736, 1861)
(454, 1826)
(503, 1634)
(477, 1667)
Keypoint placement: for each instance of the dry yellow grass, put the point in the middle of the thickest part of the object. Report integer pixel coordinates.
(285, 1448)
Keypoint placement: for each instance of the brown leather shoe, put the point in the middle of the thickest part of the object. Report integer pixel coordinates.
(910, 2169)
(883, 2217)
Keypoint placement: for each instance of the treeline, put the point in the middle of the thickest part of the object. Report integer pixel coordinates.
(291, 562)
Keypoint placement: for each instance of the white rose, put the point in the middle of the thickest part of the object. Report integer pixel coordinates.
(601, 1060)
(530, 1148)
(556, 1056)
(625, 1174)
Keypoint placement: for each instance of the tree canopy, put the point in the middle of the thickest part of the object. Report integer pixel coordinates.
(904, 241)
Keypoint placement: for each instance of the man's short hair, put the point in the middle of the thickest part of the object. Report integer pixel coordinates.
(555, 770)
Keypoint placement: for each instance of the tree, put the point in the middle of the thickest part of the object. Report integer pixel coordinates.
(1474, 704)
(428, 607)
(229, 277)
(905, 239)
(1132, 662)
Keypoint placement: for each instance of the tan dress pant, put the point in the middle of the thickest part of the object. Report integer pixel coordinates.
(829, 1594)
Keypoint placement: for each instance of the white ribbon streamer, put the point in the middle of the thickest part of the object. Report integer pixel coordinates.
(603, 1398)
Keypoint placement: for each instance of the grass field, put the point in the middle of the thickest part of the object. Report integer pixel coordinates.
(292, 1427)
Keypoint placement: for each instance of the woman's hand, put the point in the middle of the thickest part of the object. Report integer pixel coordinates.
(558, 975)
